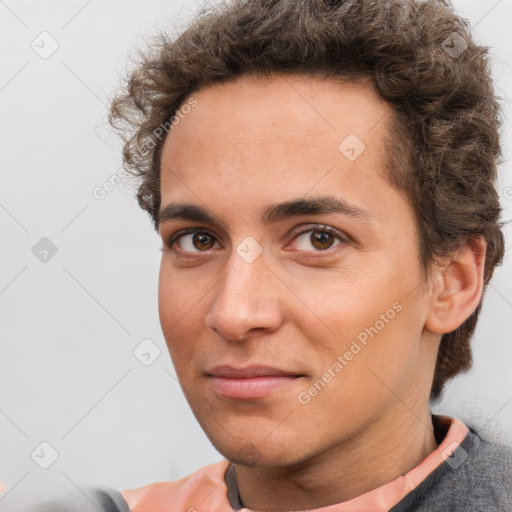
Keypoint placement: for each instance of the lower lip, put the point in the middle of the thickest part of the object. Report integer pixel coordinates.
(249, 388)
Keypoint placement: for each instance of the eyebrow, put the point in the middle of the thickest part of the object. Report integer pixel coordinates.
(272, 214)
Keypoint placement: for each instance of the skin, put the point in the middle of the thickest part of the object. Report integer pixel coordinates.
(298, 306)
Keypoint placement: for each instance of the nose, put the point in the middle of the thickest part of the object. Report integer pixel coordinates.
(246, 301)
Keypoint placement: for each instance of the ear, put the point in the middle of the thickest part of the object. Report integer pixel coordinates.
(457, 287)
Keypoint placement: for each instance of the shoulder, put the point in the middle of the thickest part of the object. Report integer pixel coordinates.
(487, 467)
(204, 489)
(91, 500)
(477, 477)
(491, 453)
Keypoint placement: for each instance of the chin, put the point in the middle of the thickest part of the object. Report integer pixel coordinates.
(244, 451)
(248, 455)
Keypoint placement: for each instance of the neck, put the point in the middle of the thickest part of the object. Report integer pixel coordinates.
(382, 452)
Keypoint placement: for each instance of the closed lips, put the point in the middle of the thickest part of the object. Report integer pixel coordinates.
(251, 383)
(229, 372)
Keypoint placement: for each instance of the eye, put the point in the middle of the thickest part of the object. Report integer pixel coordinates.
(193, 240)
(314, 239)
(320, 238)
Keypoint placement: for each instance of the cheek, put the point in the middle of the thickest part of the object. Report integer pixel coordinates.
(363, 371)
(374, 317)
(341, 305)
(179, 294)
(179, 307)
(386, 350)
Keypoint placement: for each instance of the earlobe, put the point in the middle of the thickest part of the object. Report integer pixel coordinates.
(457, 288)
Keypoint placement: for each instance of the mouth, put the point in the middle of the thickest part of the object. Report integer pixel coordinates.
(250, 383)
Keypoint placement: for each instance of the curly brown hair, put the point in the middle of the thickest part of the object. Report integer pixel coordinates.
(420, 57)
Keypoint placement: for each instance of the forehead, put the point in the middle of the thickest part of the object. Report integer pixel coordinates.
(295, 108)
(288, 132)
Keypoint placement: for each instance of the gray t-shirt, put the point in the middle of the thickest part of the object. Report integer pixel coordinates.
(477, 478)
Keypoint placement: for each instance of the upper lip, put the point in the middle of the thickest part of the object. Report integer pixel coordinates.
(232, 372)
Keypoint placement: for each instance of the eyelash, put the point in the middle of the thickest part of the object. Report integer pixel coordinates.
(342, 237)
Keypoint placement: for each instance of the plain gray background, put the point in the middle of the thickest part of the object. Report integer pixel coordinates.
(70, 324)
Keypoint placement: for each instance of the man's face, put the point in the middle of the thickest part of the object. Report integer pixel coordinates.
(292, 333)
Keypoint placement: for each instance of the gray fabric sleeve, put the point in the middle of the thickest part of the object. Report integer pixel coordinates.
(477, 479)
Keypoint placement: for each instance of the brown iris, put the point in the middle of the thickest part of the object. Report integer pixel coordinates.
(202, 241)
(321, 239)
